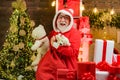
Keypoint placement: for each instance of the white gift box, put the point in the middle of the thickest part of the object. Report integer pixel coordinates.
(101, 75)
(103, 49)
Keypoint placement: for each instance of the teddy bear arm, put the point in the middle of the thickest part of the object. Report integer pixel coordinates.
(36, 45)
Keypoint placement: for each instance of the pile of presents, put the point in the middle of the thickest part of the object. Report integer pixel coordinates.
(106, 63)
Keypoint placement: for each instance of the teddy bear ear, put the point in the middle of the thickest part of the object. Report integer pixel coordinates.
(41, 26)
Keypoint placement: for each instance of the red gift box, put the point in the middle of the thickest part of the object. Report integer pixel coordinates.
(113, 77)
(66, 74)
(72, 4)
(84, 23)
(103, 54)
(114, 69)
(62, 74)
(85, 71)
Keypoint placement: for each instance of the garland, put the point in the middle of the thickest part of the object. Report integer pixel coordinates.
(103, 18)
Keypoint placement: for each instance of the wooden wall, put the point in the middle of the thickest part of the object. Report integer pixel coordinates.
(102, 4)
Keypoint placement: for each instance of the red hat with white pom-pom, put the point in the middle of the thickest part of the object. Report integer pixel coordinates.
(68, 12)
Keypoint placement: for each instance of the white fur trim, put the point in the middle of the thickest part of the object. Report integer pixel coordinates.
(71, 21)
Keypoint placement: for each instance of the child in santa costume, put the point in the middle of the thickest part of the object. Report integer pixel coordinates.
(64, 47)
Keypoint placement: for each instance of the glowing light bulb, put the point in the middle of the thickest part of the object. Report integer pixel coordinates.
(95, 10)
(112, 11)
(53, 3)
(82, 7)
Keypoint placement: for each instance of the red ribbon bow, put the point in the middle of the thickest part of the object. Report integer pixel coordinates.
(103, 66)
(84, 23)
(87, 76)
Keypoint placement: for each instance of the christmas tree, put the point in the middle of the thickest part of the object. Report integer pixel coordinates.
(16, 55)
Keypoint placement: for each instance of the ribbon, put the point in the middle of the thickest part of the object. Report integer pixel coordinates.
(104, 50)
(87, 76)
(103, 66)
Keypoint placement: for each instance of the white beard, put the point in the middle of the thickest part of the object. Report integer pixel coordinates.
(61, 27)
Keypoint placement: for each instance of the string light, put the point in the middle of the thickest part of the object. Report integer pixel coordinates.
(53, 3)
(95, 10)
(112, 11)
(82, 8)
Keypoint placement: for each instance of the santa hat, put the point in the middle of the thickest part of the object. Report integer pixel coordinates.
(38, 32)
(68, 12)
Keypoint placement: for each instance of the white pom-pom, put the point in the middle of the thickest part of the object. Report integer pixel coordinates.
(71, 10)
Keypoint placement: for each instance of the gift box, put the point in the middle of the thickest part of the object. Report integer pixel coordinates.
(72, 4)
(66, 74)
(84, 26)
(83, 55)
(114, 73)
(113, 77)
(62, 74)
(85, 71)
(105, 75)
(102, 75)
(103, 51)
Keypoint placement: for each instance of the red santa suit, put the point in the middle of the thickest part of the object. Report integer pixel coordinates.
(62, 57)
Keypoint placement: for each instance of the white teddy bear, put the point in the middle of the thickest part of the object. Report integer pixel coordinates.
(41, 44)
(61, 41)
